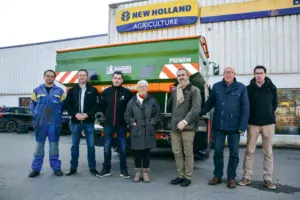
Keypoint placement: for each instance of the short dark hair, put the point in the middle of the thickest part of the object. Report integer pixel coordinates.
(83, 70)
(260, 67)
(184, 69)
(50, 70)
(118, 73)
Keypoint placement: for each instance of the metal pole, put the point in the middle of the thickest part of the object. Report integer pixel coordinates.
(166, 102)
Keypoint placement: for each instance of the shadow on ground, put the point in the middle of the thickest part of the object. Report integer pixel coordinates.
(286, 189)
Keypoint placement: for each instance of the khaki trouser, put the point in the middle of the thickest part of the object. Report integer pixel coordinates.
(182, 146)
(267, 133)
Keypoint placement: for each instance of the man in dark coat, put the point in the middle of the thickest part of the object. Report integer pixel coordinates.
(230, 118)
(81, 103)
(263, 104)
(113, 105)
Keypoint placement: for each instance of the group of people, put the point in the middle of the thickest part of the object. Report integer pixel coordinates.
(237, 108)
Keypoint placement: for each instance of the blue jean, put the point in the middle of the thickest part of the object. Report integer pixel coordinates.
(108, 137)
(89, 135)
(41, 134)
(233, 144)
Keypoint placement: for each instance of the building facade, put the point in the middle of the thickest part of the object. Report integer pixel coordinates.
(22, 66)
(239, 33)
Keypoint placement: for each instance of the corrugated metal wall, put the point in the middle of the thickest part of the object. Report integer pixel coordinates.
(273, 42)
(22, 67)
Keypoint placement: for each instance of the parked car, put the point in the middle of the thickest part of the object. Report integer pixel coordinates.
(12, 117)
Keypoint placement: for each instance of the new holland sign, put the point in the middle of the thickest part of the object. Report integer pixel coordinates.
(157, 16)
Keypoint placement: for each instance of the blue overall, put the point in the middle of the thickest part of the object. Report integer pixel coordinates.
(47, 112)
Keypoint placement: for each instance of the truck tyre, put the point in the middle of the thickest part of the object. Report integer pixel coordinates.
(201, 146)
(202, 155)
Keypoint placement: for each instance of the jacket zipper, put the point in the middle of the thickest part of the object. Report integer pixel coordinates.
(79, 103)
(115, 103)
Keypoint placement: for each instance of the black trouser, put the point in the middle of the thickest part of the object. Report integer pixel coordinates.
(142, 156)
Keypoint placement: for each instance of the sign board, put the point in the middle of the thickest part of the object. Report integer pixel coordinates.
(124, 69)
(180, 60)
(157, 16)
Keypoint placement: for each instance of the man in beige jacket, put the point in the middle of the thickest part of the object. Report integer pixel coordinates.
(185, 103)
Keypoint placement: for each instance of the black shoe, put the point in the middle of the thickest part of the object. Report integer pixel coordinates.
(177, 181)
(125, 174)
(71, 172)
(94, 172)
(104, 173)
(34, 173)
(58, 173)
(185, 182)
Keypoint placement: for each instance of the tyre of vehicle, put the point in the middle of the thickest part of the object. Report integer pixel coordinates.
(11, 126)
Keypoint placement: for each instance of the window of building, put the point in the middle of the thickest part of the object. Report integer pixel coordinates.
(288, 112)
(24, 102)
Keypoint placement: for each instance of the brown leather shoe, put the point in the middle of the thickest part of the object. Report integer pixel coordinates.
(244, 182)
(215, 181)
(270, 185)
(231, 184)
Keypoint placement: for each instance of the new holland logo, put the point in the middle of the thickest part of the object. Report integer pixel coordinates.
(157, 16)
(125, 16)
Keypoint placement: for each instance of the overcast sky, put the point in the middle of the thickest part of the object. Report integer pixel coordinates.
(28, 21)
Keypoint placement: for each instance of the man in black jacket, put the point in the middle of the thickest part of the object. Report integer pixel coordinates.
(82, 103)
(263, 104)
(113, 106)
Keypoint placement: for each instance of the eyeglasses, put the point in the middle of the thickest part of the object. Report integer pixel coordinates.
(142, 87)
(229, 72)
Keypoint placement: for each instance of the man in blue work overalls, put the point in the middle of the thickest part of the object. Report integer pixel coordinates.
(46, 105)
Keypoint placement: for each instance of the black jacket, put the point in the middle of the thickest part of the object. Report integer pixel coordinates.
(113, 105)
(91, 103)
(263, 102)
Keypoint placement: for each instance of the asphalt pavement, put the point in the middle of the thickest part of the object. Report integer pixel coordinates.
(16, 153)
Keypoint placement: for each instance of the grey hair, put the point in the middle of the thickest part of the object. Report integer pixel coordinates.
(233, 69)
(142, 82)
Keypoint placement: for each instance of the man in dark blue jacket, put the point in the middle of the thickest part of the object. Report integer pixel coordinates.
(230, 118)
(46, 105)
